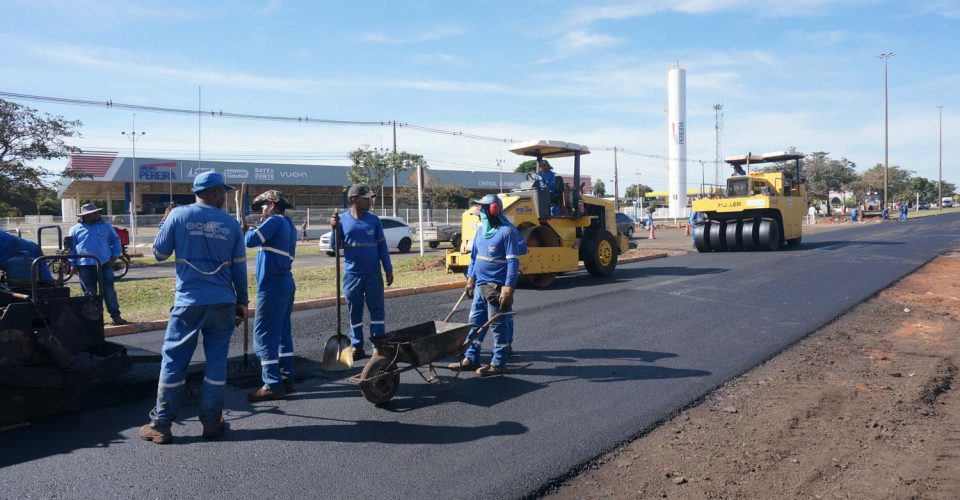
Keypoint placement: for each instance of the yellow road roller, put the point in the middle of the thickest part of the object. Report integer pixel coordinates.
(585, 229)
(759, 211)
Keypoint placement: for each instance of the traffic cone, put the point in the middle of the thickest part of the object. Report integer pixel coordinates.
(686, 230)
(653, 235)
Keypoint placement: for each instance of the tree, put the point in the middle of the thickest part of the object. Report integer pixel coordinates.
(526, 167)
(599, 188)
(27, 136)
(371, 166)
(632, 190)
(824, 174)
(899, 186)
(439, 194)
(399, 162)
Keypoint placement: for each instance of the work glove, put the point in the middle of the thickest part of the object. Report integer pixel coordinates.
(389, 278)
(471, 284)
(334, 220)
(241, 313)
(506, 298)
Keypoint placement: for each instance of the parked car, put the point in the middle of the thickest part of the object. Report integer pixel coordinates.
(395, 229)
(923, 206)
(625, 224)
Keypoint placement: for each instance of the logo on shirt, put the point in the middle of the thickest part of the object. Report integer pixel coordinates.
(212, 229)
(370, 232)
(492, 249)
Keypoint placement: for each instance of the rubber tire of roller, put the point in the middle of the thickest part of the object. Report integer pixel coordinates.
(717, 240)
(768, 236)
(749, 235)
(795, 242)
(700, 239)
(734, 235)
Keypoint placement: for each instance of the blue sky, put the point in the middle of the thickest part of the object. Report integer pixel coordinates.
(801, 73)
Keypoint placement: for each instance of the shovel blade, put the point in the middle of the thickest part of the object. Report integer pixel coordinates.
(336, 354)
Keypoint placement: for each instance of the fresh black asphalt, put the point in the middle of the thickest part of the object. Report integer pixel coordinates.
(597, 361)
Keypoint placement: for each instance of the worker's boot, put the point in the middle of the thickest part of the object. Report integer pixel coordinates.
(117, 320)
(490, 370)
(213, 428)
(357, 353)
(464, 365)
(150, 433)
(288, 386)
(265, 394)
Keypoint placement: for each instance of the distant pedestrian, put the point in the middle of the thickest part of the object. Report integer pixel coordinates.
(210, 299)
(903, 211)
(94, 236)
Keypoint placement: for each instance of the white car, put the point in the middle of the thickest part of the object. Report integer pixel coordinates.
(395, 229)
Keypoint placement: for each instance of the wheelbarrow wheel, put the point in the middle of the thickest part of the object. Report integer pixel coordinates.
(383, 389)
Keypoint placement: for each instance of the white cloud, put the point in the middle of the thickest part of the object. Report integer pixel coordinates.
(435, 33)
(437, 59)
(946, 8)
(271, 7)
(588, 14)
(578, 41)
(818, 38)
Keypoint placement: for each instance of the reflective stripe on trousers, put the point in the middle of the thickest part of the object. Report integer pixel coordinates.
(272, 336)
(502, 328)
(363, 289)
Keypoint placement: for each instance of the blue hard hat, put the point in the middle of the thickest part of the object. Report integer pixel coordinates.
(209, 179)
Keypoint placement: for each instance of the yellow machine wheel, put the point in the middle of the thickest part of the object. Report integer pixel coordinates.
(599, 253)
(539, 236)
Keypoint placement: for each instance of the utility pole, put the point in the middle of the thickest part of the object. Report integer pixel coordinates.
(886, 127)
(500, 166)
(636, 204)
(702, 178)
(133, 136)
(616, 182)
(718, 125)
(940, 175)
(393, 169)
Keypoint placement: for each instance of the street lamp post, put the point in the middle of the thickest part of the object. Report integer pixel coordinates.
(940, 175)
(886, 127)
(133, 135)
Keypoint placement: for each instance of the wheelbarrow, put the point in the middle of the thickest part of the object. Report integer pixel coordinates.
(415, 347)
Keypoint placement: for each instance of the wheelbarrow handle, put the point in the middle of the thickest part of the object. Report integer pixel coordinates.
(484, 326)
(455, 306)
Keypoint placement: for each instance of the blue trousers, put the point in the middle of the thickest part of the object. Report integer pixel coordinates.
(88, 282)
(272, 336)
(363, 289)
(215, 322)
(480, 311)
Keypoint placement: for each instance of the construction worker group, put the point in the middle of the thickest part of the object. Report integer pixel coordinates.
(211, 292)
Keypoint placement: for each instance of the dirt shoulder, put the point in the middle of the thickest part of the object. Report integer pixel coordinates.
(866, 407)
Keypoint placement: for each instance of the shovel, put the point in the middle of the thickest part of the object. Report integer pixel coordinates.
(336, 352)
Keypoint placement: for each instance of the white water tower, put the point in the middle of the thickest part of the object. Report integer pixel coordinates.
(677, 140)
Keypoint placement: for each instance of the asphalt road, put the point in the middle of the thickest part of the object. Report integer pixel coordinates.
(597, 361)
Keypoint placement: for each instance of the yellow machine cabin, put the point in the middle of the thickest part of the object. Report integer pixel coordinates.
(759, 211)
(585, 229)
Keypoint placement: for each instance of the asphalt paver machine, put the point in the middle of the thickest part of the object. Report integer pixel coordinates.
(52, 345)
(585, 230)
(759, 211)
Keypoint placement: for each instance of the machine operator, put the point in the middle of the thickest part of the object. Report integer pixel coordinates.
(491, 279)
(11, 245)
(276, 237)
(211, 297)
(94, 236)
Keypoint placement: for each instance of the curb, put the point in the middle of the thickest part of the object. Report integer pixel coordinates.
(149, 326)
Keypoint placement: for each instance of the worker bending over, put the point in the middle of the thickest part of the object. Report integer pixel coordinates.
(10, 245)
(276, 236)
(210, 300)
(364, 251)
(491, 279)
(95, 236)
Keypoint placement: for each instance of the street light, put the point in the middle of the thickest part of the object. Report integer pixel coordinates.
(886, 126)
(940, 176)
(133, 135)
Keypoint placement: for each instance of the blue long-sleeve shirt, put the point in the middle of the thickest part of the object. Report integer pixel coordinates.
(98, 239)
(364, 244)
(211, 258)
(497, 259)
(11, 245)
(277, 239)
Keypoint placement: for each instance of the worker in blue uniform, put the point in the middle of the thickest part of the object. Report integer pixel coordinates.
(694, 218)
(738, 170)
(276, 237)
(364, 252)
(210, 299)
(491, 280)
(548, 179)
(10, 246)
(94, 236)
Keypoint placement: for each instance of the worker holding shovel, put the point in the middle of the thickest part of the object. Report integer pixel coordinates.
(364, 252)
(276, 237)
